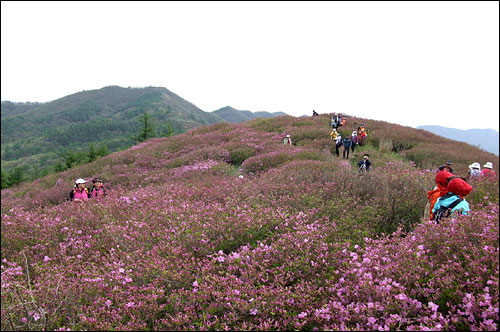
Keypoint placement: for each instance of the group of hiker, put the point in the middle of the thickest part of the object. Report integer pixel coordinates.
(475, 170)
(337, 120)
(81, 193)
(349, 143)
(448, 196)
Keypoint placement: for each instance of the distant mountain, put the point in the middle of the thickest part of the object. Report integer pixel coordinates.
(233, 115)
(34, 134)
(486, 139)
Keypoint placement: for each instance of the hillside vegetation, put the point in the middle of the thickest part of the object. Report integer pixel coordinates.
(300, 241)
(35, 136)
(38, 138)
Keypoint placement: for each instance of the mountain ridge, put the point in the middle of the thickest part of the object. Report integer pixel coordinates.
(487, 139)
(233, 115)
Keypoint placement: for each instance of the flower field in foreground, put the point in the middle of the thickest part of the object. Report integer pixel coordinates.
(301, 242)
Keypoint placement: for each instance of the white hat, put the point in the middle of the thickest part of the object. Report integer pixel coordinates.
(476, 165)
(489, 164)
(80, 181)
(287, 135)
(470, 166)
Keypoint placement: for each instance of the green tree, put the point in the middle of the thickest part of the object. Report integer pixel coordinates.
(16, 176)
(45, 171)
(5, 182)
(69, 158)
(92, 155)
(81, 157)
(147, 130)
(36, 171)
(168, 130)
(59, 167)
(102, 150)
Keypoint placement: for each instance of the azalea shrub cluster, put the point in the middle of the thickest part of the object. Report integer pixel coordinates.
(294, 239)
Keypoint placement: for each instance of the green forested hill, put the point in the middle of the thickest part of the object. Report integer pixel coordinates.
(236, 116)
(35, 135)
(38, 138)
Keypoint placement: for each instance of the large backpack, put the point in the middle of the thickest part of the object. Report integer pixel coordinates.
(445, 211)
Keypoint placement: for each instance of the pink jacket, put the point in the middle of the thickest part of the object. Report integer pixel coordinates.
(98, 192)
(81, 194)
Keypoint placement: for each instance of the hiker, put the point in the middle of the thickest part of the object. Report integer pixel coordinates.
(334, 123)
(97, 190)
(354, 140)
(362, 134)
(438, 191)
(347, 146)
(338, 144)
(314, 113)
(488, 170)
(364, 164)
(453, 201)
(339, 120)
(333, 134)
(288, 140)
(446, 166)
(342, 123)
(80, 192)
(474, 170)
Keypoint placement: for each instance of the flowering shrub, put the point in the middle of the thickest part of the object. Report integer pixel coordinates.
(183, 242)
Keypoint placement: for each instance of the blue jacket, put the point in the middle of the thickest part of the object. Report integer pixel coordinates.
(346, 142)
(447, 200)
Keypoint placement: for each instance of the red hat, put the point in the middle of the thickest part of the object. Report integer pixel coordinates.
(442, 176)
(459, 187)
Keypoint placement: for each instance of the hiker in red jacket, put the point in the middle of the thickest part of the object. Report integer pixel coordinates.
(488, 170)
(453, 201)
(439, 190)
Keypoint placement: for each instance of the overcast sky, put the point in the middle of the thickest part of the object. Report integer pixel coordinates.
(410, 63)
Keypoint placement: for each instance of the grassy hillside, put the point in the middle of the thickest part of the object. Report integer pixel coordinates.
(34, 135)
(300, 241)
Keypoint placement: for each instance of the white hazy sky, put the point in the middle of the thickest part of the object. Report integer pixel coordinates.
(411, 63)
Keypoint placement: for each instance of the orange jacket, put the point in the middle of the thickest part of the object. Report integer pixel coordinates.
(433, 196)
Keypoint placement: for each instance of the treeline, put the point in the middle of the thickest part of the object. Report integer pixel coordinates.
(70, 156)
